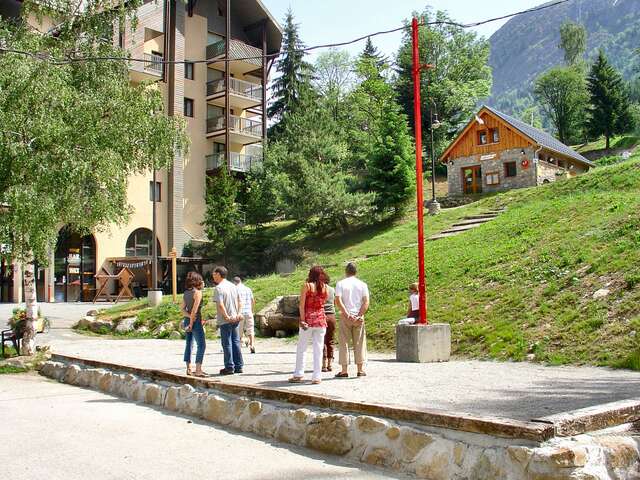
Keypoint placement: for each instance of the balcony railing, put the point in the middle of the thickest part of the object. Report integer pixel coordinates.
(237, 50)
(237, 87)
(153, 63)
(241, 125)
(239, 162)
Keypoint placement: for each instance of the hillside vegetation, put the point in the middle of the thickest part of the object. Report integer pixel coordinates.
(520, 285)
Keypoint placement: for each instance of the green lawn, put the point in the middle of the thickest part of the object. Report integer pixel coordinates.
(522, 284)
(625, 141)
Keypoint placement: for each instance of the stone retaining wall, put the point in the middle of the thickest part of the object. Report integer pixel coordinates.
(430, 453)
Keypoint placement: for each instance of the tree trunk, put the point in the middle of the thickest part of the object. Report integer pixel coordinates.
(28, 340)
(608, 141)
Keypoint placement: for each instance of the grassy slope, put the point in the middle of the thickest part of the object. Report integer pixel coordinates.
(520, 284)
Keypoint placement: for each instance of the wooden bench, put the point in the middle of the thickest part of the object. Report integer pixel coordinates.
(10, 336)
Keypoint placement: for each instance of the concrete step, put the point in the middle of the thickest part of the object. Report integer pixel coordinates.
(472, 222)
(462, 228)
(483, 216)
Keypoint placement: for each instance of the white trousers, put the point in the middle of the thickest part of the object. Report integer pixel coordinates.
(316, 334)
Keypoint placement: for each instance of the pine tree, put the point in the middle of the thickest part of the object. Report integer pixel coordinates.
(222, 217)
(609, 112)
(372, 53)
(294, 76)
(389, 170)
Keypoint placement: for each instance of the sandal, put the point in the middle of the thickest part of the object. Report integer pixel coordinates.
(315, 382)
(189, 372)
(200, 375)
(295, 380)
(362, 374)
(325, 369)
(341, 375)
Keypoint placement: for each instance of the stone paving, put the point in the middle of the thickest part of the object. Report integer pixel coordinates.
(505, 389)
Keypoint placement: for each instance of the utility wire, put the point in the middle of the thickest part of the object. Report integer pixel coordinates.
(47, 57)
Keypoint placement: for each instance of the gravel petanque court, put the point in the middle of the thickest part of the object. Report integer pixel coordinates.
(520, 391)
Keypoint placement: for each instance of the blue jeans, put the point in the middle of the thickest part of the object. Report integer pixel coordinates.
(230, 338)
(197, 333)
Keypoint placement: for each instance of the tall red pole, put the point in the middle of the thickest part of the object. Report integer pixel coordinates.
(417, 114)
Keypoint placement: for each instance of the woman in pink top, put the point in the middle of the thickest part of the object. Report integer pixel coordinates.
(313, 323)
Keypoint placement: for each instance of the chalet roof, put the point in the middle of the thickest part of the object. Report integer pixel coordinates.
(541, 138)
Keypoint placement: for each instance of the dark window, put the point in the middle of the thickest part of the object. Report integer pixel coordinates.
(189, 70)
(220, 12)
(188, 107)
(510, 169)
(121, 37)
(139, 243)
(158, 191)
(482, 137)
(495, 135)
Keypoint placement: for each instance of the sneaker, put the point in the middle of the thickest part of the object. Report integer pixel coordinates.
(253, 350)
(226, 371)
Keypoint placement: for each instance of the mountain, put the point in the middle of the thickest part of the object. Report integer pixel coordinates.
(527, 45)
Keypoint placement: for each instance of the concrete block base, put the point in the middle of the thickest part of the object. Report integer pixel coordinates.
(155, 297)
(434, 207)
(423, 343)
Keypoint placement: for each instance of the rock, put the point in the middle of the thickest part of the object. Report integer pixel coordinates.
(71, 374)
(330, 434)
(292, 433)
(218, 410)
(267, 424)
(302, 415)
(412, 442)
(239, 406)
(459, 451)
(100, 326)
(621, 452)
(172, 398)
(602, 293)
(435, 467)
(291, 304)
(520, 455)
(83, 324)
(392, 433)
(255, 408)
(104, 381)
(153, 394)
(554, 457)
(370, 425)
(531, 357)
(175, 335)
(378, 456)
(125, 325)
(281, 334)
(142, 329)
(160, 329)
(92, 313)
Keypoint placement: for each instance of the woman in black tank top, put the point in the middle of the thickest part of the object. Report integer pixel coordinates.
(193, 323)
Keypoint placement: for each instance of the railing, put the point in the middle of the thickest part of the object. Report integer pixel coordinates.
(237, 50)
(237, 87)
(153, 63)
(239, 162)
(244, 126)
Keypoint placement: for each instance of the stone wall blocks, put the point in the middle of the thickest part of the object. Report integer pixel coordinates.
(379, 456)
(412, 442)
(393, 433)
(330, 433)
(104, 381)
(255, 408)
(154, 394)
(71, 374)
(267, 423)
(172, 398)
(303, 415)
(621, 452)
(368, 424)
(218, 409)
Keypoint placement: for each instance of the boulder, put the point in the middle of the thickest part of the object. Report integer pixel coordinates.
(330, 434)
(83, 324)
(143, 329)
(290, 304)
(100, 326)
(92, 313)
(602, 293)
(125, 325)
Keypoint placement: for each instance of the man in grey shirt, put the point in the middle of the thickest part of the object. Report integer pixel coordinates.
(228, 316)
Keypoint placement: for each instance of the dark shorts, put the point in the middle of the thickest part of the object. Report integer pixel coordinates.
(415, 314)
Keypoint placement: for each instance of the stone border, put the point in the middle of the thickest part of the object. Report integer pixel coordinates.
(590, 419)
(465, 422)
(443, 455)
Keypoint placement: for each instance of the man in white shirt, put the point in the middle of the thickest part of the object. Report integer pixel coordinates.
(248, 303)
(352, 299)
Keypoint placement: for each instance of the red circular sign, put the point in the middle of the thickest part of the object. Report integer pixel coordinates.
(525, 163)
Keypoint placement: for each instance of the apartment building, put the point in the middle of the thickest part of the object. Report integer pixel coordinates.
(223, 103)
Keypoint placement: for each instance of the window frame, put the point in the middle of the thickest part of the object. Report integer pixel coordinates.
(155, 192)
(486, 137)
(506, 169)
(495, 177)
(493, 133)
(188, 101)
(189, 67)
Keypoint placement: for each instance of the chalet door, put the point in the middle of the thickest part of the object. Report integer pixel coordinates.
(472, 179)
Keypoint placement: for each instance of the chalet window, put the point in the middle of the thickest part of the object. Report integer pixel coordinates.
(157, 193)
(189, 70)
(188, 107)
(494, 134)
(493, 178)
(482, 137)
(510, 169)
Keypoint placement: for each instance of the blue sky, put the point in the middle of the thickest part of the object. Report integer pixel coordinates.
(329, 21)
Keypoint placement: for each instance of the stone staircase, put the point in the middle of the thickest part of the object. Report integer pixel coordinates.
(467, 223)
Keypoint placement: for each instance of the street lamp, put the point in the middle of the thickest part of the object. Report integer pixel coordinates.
(433, 205)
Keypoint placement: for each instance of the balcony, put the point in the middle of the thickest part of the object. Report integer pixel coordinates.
(242, 94)
(239, 162)
(247, 57)
(241, 130)
(150, 70)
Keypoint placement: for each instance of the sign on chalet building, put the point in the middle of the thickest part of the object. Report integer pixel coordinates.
(498, 152)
